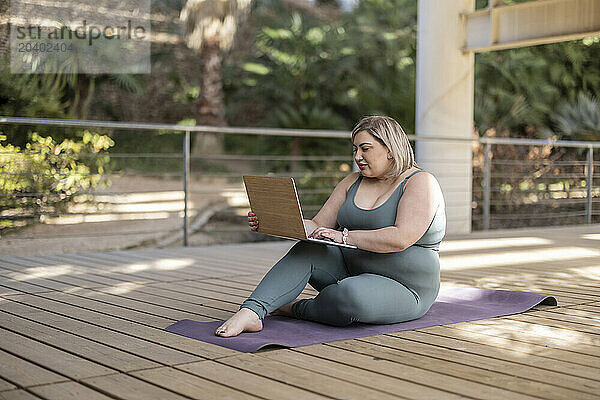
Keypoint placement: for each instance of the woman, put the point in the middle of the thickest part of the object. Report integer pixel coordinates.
(394, 213)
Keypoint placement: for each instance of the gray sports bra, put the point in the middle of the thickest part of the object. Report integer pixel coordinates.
(352, 217)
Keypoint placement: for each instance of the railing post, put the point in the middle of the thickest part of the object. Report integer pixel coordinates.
(590, 175)
(486, 187)
(186, 174)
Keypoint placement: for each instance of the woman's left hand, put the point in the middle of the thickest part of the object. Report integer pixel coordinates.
(323, 232)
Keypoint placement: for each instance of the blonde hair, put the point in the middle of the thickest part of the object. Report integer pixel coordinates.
(389, 133)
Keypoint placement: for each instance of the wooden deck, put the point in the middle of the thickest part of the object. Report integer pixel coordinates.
(91, 326)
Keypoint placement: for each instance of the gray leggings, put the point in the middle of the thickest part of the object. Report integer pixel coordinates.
(342, 299)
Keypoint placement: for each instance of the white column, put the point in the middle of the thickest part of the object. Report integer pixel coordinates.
(444, 103)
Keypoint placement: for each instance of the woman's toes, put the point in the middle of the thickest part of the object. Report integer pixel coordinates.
(220, 330)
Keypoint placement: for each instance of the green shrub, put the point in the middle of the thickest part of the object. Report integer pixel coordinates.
(45, 175)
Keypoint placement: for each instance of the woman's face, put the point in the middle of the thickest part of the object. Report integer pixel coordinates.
(370, 155)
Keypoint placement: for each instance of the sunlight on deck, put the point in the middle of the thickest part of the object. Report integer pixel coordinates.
(508, 329)
(42, 272)
(481, 244)
(593, 236)
(509, 257)
(591, 272)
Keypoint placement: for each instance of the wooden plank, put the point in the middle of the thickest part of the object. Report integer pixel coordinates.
(127, 272)
(494, 372)
(92, 306)
(420, 370)
(591, 309)
(19, 394)
(130, 388)
(83, 272)
(265, 249)
(232, 287)
(502, 281)
(220, 296)
(63, 273)
(206, 262)
(356, 373)
(253, 281)
(565, 316)
(23, 373)
(248, 262)
(248, 382)
(161, 273)
(557, 337)
(5, 291)
(559, 324)
(119, 273)
(95, 274)
(6, 385)
(208, 313)
(51, 358)
(190, 385)
(166, 292)
(521, 344)
(123, 304)
(116, 339)
(45, 285)
(212, 286)
(201, 294)
(528, 366)
(146, 327)
(68, 391)
(303, 378)
(97, 352)
(531, 285)
(33, 287)
(585, 311)
(563, 300)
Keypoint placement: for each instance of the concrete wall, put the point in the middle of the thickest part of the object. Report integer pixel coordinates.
(444, 103)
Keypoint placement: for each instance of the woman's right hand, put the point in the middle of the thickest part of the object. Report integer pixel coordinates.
(252, 221)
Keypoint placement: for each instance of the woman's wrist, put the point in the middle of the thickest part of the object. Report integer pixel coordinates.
(345, 233)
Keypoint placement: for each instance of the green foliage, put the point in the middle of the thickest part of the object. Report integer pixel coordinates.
(58, 171)
(308, 73)
(382, 36)
(519, 90)
(363, 63)
(23, 95)
(579, 120)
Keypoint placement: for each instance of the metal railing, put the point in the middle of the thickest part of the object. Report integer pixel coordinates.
(186, 155)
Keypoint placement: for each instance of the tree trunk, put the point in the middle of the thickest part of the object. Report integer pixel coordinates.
(210, 109)
(84, 91)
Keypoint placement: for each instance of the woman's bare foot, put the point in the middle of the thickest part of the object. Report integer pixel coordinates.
(245, 320)
(285, 309)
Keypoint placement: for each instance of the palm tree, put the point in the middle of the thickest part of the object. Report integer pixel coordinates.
(210, 26)
(579, 120)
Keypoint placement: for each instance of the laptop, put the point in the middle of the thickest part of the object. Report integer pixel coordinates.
(275, 202)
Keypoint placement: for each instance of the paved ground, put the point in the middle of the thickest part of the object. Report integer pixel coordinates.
(141, 216)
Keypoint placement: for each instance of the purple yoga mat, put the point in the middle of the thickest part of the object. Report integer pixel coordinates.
(452, 305)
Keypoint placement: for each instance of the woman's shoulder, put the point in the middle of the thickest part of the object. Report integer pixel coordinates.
(419, 174)
(424, 181)
(348, 180)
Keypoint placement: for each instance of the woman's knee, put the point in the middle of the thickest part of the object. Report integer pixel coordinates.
(347, 301)
(353, 302)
